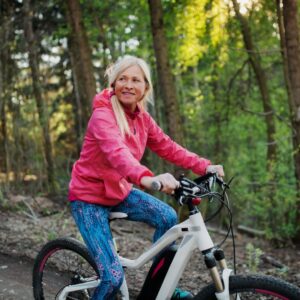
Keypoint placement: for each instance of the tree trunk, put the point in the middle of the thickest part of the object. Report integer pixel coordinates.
(37, 90)
(4, 143)
(82, 67)
(291, 102)
(17, 162)
(105, 46)
(5, 82)
(165, 77)
(262, 83)
(291, 47)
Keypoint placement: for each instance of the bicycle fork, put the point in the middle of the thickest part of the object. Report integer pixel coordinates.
(211, 257)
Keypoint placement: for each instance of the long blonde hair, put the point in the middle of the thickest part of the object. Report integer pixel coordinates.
(112, 73)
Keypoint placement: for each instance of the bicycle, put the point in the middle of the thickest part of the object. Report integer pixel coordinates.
(169, 259)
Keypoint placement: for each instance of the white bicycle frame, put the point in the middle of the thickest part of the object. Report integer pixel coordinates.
(194, 235)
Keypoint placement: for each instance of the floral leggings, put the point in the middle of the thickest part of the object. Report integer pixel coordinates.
(93, 224)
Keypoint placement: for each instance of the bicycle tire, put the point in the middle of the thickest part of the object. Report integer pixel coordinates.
(259, 287)
(62, 261)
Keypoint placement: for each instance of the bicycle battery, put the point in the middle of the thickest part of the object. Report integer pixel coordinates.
(157, 273)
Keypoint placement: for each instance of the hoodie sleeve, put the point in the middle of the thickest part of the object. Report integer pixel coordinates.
(105, 130)
(165, 147)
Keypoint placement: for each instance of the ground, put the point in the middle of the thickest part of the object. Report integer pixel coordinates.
(38, 220)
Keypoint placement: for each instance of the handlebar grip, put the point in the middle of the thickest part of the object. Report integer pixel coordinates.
(156, 186)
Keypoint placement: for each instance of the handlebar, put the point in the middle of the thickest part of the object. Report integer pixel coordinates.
(156, 186)
(191, 189)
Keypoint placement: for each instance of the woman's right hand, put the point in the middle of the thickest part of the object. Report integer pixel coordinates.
(218, 169)
(167, 180)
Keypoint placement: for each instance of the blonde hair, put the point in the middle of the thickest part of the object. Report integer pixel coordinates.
(112, 74)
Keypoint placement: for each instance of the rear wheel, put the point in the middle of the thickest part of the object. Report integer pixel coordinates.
(254, 287)
(60, 263)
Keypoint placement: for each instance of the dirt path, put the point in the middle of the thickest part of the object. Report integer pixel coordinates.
(15, 278)
(23, 236)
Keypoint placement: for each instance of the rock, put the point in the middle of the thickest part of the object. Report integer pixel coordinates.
(43, 203)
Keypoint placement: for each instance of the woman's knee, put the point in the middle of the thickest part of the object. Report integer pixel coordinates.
(168, 219)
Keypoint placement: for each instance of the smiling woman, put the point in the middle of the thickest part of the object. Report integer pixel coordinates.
(118, 133)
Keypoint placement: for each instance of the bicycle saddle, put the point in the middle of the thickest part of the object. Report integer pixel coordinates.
(117, 215)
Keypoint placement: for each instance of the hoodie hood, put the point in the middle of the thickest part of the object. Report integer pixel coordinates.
(102, 99)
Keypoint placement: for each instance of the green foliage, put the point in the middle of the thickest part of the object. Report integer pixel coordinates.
(253, 257)
(200, 25)
(190, 28)
(52, 235)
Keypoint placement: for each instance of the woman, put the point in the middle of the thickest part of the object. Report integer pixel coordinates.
(118, 132)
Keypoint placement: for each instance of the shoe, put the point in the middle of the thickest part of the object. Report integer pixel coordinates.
(180, 294)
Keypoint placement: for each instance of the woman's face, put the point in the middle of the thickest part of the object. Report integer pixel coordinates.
(130, 87)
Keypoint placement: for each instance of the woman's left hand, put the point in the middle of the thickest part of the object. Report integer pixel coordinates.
(218, 169)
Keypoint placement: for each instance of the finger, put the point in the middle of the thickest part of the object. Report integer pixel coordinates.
(221, 171)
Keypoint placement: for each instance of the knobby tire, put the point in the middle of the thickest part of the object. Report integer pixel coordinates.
(254, 287)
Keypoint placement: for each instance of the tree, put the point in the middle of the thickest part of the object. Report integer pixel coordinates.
(165, 77)
(290, 45)
(261, 78)
(37, 91)
(4, 32)
(82, 67)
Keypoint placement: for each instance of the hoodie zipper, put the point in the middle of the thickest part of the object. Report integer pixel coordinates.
(133, 126)
(134, 129)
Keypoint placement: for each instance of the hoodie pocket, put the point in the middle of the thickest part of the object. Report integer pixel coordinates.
(116, 187)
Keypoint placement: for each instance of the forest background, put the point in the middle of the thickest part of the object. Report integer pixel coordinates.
(227, 86)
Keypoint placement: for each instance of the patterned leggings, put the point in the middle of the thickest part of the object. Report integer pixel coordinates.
(93, 224)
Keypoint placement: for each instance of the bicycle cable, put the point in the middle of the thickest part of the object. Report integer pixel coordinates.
(215, 213)
(224, 200)
(230, 228)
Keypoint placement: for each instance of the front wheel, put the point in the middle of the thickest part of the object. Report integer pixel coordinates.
(252, 287)
(60, 263)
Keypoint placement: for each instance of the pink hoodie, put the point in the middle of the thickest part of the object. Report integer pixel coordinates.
(109, 164)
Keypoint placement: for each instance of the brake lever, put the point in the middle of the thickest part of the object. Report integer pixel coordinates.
(211, 181)
(222, 182)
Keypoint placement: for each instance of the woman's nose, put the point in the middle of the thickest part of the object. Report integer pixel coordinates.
(128, 84)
